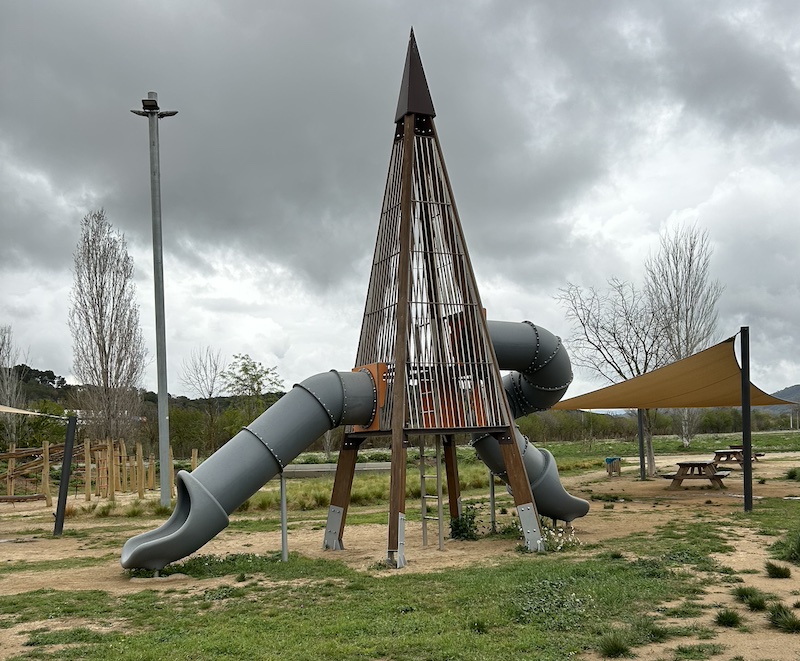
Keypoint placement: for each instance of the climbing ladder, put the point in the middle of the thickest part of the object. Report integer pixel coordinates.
(424, 497)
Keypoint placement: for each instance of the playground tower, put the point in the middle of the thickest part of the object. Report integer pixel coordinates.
(424, 335)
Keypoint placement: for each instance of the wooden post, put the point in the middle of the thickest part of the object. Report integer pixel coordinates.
(171, 469)
(46, 473)
(194, 459)
(340, 497)
(140, 469)
(151, 473)
(451, 469)
(112, 472)
(397, 480)
(87, 471)
(12, 463)
(123, 462)
(98, 488)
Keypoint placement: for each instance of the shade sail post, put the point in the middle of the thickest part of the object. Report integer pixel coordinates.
(640, 419)
(747, 446)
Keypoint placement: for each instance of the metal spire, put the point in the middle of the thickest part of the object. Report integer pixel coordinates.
(414, 94)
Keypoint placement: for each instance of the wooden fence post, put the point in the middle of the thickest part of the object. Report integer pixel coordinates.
(12, 463)
(151, 473)
(46, 473)
(123, 460)
(112, 473)
(87, 472)
(140, 470)
(194, 459)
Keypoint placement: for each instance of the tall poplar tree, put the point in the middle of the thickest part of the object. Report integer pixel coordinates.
(108, 348)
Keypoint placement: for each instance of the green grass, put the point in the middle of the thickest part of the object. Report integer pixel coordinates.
(323, 609)
(788, 548)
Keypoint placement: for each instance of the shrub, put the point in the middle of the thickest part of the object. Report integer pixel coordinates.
(465, 526)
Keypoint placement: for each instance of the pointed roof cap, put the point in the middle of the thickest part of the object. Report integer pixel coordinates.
(414, 94)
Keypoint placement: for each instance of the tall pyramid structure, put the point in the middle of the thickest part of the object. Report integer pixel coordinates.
(423, 316)
(424, 336)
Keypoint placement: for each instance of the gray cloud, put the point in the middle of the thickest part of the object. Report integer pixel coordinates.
(572, 134)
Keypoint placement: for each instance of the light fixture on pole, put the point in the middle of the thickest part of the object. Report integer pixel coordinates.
(153, 113)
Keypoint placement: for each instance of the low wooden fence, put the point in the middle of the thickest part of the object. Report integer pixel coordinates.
(102, 469)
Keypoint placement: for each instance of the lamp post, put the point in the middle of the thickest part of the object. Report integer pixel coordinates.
(153, 113)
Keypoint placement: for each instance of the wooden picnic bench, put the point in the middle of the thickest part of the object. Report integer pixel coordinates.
(734, 454)
(696, 470)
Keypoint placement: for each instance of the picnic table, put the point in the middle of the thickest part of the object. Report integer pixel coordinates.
(696, 470)
(734, 454)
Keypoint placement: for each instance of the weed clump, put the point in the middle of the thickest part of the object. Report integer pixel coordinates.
(614, 645)
(777, 571)
(782, 618)
(751, 597)
(728, 617)
(788, 548)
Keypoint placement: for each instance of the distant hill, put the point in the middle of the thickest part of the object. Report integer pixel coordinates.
(792, 393)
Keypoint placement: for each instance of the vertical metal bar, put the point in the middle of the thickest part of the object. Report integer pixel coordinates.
(423, 491)
(747, 446)
(640, 420)
(492, 512)
(66, 469)
(284, 522)
(439, 494)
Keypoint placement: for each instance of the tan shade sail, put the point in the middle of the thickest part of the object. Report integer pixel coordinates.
(707, 379)
(8, 409)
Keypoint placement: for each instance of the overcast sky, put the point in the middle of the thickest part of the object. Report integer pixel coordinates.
(574, 133)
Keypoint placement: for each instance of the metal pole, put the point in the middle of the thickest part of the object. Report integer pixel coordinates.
(747, 446)
(640, 419)
(284, 523)
(158, 280)
(66, 470)
(493, 513)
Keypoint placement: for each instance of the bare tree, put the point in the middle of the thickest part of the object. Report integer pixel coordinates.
(617, 336)
(680, 289)
(108, 348)
(11, 393)
(201, 375)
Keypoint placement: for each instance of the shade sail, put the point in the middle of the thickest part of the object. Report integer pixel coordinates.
(8, 409)
(707, 379)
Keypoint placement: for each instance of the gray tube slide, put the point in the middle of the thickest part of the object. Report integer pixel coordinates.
(543, 374)
(208, 495)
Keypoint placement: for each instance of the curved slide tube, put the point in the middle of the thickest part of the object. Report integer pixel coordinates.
(543, 374)
(208, 495)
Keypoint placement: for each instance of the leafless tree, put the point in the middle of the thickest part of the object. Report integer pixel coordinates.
(201, 375)
(683, 294)
(108, 348)
(617, 336)
(11, 393)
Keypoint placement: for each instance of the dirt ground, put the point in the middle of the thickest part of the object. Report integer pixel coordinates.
(641, 506)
